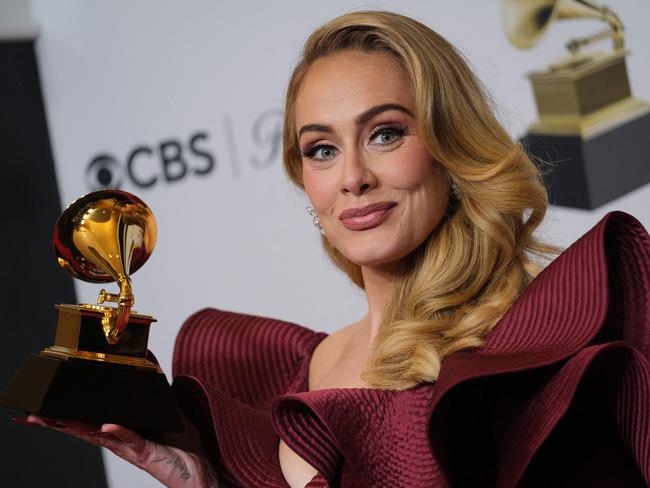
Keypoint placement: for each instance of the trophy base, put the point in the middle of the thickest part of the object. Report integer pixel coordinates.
(589, 172)
(66, 353)
(585, 99)
(137, 398)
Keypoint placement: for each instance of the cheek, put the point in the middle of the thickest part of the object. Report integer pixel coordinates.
(437, 188)
(416, 170)
(426, 183)
(320, 190)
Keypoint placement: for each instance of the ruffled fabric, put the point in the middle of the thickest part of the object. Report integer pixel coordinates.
(227, 369)
(559, 394)
(362, 437)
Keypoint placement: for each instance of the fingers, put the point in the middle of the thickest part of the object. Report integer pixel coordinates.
(88, 432)
(74, 427)
(171, 466)
(42, 421)
(131, 439)
(25, 421)
(60, 424)
(124, 442)
(81, 430)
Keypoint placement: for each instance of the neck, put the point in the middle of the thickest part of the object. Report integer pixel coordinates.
(379, 285)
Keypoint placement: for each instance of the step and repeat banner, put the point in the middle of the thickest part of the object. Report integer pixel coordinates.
(181, 103)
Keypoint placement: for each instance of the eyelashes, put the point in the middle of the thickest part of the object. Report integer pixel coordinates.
(327, 152)
(386, 135)
(396, 132)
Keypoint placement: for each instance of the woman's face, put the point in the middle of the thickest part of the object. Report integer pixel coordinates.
(376, 189)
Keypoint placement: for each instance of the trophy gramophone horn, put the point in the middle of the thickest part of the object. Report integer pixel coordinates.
(526, 21)
(106, 236)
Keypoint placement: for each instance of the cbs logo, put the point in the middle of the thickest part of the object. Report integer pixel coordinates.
(170, 160)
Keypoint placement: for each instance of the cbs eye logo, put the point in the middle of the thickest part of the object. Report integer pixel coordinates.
(144, 166)
(104, 172)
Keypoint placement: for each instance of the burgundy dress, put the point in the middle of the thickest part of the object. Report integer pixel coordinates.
(558, 396)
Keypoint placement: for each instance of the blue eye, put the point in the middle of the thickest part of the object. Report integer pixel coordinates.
(321, 152)
(387, 135)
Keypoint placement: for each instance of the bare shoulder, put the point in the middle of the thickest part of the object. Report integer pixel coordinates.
(328, 351)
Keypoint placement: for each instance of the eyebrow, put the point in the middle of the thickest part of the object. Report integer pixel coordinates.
(359, 120)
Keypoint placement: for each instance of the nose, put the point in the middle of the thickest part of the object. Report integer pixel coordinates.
(356, 176)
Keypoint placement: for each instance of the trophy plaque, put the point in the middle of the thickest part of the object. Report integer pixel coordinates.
(99, 369)
(590, 127)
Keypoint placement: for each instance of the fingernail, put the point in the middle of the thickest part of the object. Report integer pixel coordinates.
(54, 423)
(100, 433)
(23, 421)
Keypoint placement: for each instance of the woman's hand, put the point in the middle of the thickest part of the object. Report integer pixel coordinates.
(173, 467)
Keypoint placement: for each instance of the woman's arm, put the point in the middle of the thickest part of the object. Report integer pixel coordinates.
(173, 467)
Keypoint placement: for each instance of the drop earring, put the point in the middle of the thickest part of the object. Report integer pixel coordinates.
(315, 220)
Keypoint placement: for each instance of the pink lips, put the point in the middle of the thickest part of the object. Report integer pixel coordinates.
(366, 217)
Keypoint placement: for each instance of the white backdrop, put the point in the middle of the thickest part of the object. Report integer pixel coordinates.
(149, 76)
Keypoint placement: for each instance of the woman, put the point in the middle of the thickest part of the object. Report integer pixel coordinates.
(429, 206)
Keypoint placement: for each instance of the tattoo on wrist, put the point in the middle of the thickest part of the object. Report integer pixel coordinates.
(177, 463)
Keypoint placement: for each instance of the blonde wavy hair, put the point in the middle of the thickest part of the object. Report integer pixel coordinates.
(463, 277)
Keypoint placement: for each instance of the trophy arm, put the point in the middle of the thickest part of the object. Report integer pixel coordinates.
(617, 28)
(114, 322)
(616, 32)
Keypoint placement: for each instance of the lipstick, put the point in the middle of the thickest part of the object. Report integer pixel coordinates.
(367, 217)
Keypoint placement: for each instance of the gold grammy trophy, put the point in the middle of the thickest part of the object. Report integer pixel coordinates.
(99, 368)
(589, 122)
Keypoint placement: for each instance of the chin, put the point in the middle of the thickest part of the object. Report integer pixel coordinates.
(374, 256)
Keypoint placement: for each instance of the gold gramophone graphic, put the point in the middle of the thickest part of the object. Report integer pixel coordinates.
(589, 122)
(99, 368)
